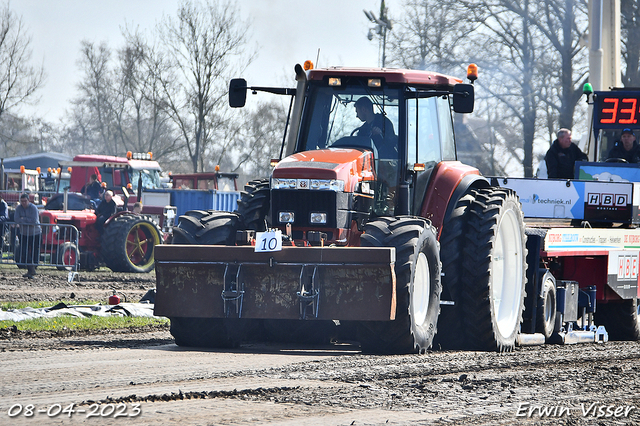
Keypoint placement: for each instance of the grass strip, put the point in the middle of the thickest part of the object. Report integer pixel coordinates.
(76, 323)
(71, 322)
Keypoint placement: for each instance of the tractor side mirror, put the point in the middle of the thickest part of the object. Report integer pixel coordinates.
(463, 98)
(126, 195)
(237, 92)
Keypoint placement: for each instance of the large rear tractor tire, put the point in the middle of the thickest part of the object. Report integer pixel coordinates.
(206, 228)
(450, 325)
(418, 286)
(622, 319)
(494, 276)
(253, 205)
(128, 243)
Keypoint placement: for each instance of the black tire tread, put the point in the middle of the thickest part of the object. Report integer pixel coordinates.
(254, 203)
(397, 337)
(113, 246)
(479, 332)
(620, 319)
(450, 327)
(212, 228)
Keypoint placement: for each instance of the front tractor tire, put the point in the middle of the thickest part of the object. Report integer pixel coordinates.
(68, 257)
(128, 243)
(418, 286)
(494, 270)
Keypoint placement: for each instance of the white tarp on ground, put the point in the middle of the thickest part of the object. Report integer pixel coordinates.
(82, 311)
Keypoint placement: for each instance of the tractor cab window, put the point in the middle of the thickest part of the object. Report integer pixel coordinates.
(352, 116)
(423, 134)
(445, 124)
(206, 184)
(226, 183)
(150, 179)
(106, 175)
(607, 139)
(361, 117)
(429, 123)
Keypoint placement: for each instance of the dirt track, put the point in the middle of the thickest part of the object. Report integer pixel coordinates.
(281, 384)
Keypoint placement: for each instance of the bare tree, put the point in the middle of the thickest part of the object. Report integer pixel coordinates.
(513, 46)
(260, 139)
(96, 100)
(201, 48)
(142, 121)
(630, 28)
(430, 35)
(18, 79)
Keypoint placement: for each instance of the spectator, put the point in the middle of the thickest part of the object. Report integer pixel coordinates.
(28, 221)
(626, 148)
(4, 217)
(562, 155)
(105, 210)
(137, 207)
(92, 189)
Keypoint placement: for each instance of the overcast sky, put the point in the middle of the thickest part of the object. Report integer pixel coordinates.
(286, 31)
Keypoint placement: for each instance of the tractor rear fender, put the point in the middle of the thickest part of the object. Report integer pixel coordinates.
(330, 283)
(449, 182)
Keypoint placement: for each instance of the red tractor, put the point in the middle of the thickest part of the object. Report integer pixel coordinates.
(366, 226)
(126, 245)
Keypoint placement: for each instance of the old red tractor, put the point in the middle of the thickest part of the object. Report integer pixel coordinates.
(126, 245)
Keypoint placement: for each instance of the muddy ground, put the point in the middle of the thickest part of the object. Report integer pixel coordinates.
(145, 377)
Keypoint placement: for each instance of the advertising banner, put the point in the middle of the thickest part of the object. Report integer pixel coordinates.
(569, 199)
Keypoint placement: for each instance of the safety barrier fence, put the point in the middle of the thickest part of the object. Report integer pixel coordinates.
(55, 245)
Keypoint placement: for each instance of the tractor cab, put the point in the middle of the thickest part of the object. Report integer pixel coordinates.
(363, 143)
(405, 123)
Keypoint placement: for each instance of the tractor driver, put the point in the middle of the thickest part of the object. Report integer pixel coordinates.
(105, 210)
(626, 148)
(377, 127)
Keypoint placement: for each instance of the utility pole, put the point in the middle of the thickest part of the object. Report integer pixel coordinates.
(382, 25)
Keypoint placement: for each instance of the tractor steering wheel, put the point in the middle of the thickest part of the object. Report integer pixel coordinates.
(615, 160)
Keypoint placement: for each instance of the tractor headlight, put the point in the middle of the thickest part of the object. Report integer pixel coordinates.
(336, 185)
(314, 184)
(286, 217)
(318, 218)
(277, 183)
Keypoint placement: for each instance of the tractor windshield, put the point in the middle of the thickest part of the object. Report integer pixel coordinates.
(351, 116)
(607, 139)
(150, 179)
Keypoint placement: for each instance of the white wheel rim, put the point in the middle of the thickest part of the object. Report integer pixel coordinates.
(506, 269)
(548, 305)
(421, 290)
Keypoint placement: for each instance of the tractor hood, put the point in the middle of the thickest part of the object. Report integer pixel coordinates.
(350, 166)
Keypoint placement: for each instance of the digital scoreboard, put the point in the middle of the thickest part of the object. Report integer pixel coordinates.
(616, 109)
